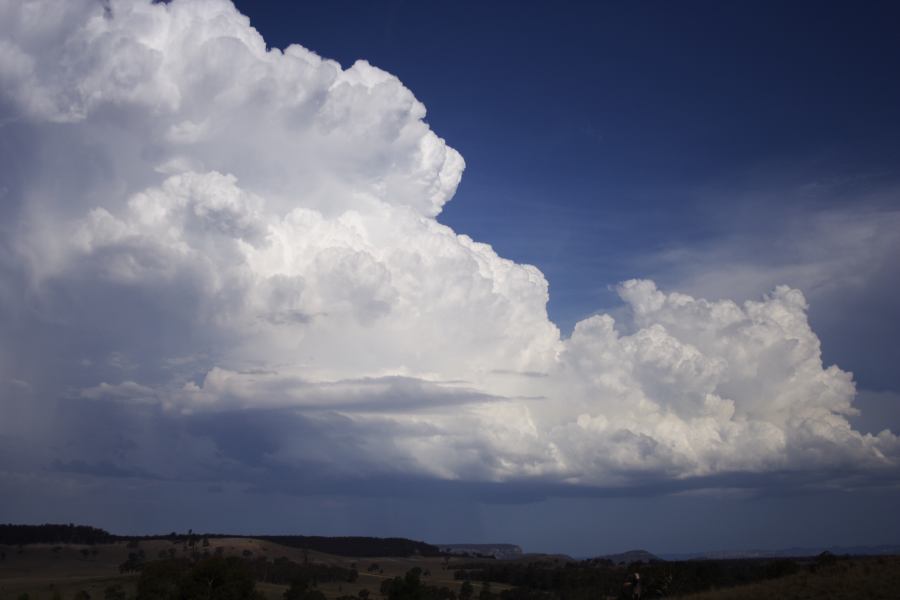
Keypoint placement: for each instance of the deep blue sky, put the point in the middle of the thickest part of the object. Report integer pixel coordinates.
(610, 140)
(601, 135)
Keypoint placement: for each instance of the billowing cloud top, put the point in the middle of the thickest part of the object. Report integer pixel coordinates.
(222, 261)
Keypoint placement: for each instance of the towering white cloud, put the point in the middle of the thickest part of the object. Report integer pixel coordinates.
(199, 229)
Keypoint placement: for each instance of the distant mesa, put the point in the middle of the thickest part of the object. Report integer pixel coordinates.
(499, 551)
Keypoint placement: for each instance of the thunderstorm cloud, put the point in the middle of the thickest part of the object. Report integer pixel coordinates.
(221, 261)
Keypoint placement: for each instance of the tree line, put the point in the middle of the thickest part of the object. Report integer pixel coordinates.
(356, 546)
(18, 535)
(583, 580)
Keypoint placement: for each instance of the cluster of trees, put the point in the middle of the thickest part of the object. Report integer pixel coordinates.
(410, 587)
(584, 580)
(356, 546)
(228, 577)
(217, 577)
(16, 535)
(309, 575)
(53, 533)
(300, 589)
(280, 570)
(542, 575)
(135, 562)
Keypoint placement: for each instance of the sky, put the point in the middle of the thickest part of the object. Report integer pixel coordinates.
(582, 277)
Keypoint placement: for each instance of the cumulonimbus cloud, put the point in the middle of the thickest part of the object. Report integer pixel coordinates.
(195, 225)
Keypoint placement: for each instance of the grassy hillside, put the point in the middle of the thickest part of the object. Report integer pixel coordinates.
(43, 569)
(53, 571)
(875, 578)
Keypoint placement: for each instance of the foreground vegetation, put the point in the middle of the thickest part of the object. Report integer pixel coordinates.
(872, 578)
(192, 567)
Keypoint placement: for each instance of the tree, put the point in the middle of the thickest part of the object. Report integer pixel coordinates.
(220, 578)
(114, 592)
(216, 577)
(466, 591)
(134, 563)
(300, 590)
(160, 579)
(409, 587)
(486, 593)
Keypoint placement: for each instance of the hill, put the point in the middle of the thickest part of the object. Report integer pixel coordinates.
(357, 546)
(873, 578)
(43, 569)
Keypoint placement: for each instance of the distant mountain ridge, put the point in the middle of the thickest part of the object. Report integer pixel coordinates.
(499, 551)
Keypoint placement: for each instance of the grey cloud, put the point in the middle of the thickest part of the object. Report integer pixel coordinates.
(101, 469)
